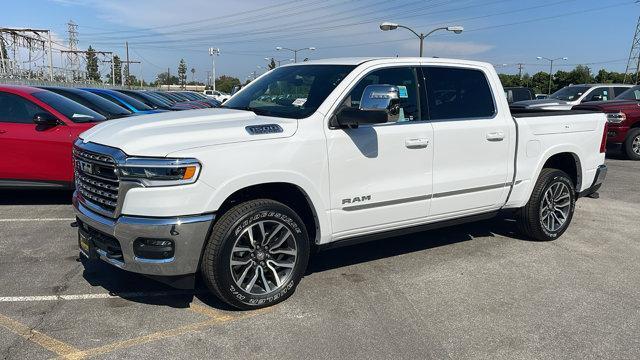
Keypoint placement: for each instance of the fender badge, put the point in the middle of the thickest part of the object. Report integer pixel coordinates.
(264, 129)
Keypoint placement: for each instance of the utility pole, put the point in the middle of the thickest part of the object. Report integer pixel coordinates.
(213, 52)
(520, 67)
(126, 72)
(632, 73)
(126, 48)
(209, 77)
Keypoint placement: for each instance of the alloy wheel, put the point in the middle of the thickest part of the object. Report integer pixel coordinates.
(556, 204)
(263, 257)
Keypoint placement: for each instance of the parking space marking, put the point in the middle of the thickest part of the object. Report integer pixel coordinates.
(215, 318)
(97, 296)
(37, 219)
(56, 346)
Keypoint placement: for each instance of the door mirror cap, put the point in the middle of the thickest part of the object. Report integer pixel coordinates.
(45, 119)
(352, 117)
(379, 97)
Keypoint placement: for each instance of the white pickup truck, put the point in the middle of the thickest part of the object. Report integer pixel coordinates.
(321, 154)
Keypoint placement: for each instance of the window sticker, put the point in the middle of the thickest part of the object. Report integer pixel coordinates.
(402, 92)
(299, 102)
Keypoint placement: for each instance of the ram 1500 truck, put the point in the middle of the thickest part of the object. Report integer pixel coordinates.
(320, 154)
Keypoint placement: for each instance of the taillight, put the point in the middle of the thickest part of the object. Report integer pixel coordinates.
(603, 144)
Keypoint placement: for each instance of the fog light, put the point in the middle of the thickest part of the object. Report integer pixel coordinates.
(155, 249)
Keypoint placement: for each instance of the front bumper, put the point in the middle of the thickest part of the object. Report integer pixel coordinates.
(188, 234)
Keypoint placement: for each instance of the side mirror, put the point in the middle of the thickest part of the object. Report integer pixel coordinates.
(352, 117)
(380, 97)
(45, 119)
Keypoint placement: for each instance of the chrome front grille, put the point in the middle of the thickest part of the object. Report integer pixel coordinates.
(96, 179)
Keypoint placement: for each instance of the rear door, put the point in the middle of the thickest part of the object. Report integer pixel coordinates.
(30, 152)
(471, 141)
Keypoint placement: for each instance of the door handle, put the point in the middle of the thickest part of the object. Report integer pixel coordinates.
(418, 143)
(495, 136)
(3, 132)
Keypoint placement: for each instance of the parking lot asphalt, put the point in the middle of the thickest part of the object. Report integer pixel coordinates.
(472, 291)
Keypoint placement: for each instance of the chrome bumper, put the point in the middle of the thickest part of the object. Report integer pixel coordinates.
(187, 232)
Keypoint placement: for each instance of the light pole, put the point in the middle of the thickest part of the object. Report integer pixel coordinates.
(295, 51)
(386, 26)
(550, 68)
(213, 52)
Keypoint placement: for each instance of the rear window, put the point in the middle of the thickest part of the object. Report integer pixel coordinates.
(71, 109)
(458, 93)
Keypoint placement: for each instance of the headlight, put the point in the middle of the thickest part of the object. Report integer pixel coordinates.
(160, 172)
(616, 118)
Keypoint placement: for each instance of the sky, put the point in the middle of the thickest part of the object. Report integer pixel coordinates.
(503, 32)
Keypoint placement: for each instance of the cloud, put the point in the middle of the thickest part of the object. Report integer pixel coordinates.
(447, 48)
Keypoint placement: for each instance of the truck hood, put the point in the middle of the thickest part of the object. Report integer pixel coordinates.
(540, 103)
(611, 105)
(163, 133)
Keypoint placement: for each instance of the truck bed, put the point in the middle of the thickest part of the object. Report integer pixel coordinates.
(525, 113)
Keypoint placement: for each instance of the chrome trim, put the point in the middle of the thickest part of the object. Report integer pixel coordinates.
(188, 233)
(386, 203)
(103, 256)
(476, 189)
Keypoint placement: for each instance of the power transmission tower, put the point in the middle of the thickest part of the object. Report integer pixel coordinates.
(24, 38)
(72, 55)
(633, 64)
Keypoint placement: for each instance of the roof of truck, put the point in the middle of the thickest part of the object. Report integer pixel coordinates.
(361, 60)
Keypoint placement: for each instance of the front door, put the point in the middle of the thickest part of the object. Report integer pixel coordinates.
(31, 152)
(380, 175)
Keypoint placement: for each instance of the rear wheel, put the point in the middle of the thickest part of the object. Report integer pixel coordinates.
(256, 254)
(550, 208)
(631, 145)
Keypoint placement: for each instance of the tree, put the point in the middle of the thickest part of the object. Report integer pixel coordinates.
(116, 67)
(540, 82)
(182, 72)
(272, 64)
(612, 77)
(165, 78)
(193, 75)
(92, 65)
(225, 83)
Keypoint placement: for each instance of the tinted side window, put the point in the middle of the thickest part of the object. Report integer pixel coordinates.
(619, 90)
(458, 93)
(599, 94)
(404, 78)
(16, 109)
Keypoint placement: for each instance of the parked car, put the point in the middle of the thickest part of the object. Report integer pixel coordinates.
(244, 195)
(217, 95)
(37, 131)
(148, 99)
(623, 116)
(569, 96)
(94, 102)
(515, 94)
(192, 96)
(180, 101)
(124, 100)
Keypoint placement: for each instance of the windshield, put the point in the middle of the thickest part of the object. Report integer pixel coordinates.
(569, 93)
(630, 94)
(70, 109)
(94, 102)
(293, 92)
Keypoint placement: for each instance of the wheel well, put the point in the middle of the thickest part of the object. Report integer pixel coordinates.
(636, 125)
(289, 194)
(569, 163)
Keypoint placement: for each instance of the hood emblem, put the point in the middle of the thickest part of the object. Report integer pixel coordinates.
(264, 129)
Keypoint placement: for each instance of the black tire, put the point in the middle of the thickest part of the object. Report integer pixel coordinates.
(627, 146)
(216, 260)
(529, 218)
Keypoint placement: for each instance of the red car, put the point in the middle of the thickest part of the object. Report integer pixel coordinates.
(623, 117)
(37, 130)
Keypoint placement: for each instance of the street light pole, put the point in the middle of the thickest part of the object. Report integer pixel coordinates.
(386, 26)
(550, 68)
(213, 52)
(295, 51)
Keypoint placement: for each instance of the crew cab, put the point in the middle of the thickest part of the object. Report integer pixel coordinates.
(569, 96)
(37, 131)
(623, 115)
(321, 154)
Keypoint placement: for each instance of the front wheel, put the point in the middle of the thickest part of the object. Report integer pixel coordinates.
(256, 254)
(550, 209)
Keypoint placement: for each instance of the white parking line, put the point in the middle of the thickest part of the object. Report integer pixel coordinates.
(39, 219)
(97, 296)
